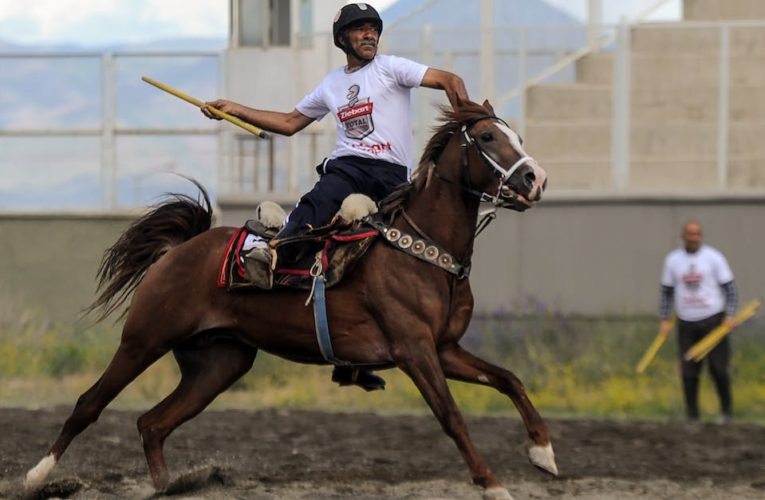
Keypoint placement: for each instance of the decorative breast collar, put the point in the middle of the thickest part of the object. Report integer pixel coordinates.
(421, 248)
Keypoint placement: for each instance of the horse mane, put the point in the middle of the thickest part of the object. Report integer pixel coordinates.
(450, 120)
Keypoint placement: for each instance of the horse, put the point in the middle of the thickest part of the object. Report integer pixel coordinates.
(166, 263)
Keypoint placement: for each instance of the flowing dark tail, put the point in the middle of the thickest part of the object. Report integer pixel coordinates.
(124, 265)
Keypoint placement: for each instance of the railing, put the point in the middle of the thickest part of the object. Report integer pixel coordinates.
(240, 165)
(108, 127)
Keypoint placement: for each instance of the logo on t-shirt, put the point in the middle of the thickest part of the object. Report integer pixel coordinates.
(356, 116)
(692, 279)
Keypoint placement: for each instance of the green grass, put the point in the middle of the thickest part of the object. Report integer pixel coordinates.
(569, 366)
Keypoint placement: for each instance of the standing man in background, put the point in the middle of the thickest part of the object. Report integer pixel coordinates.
(701, 281)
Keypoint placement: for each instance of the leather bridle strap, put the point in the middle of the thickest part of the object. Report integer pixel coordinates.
(504, 175)
(413, 225)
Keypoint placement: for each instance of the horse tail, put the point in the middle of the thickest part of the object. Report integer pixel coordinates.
(167, 224)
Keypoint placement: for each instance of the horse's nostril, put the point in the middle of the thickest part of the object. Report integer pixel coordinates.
(529, 178)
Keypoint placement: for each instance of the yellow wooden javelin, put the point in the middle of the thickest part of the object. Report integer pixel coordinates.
(654, 348)
(196, 102)
(704, 346)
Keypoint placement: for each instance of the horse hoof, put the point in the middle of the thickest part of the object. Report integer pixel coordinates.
(39, 474)
(496, 493)
(544, 458)
(161, 483)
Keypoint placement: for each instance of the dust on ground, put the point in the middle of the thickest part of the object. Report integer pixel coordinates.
(281, 454)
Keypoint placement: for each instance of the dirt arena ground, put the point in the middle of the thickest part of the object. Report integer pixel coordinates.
(277, 454)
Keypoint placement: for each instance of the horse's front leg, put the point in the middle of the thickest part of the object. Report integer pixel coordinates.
(459, 364)
(420, 362)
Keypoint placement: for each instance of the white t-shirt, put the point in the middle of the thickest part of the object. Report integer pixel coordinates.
(696, 278)
(371, 107)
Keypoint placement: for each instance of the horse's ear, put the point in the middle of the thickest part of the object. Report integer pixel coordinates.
(488, 107)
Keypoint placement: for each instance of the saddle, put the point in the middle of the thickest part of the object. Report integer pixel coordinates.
(332, 250)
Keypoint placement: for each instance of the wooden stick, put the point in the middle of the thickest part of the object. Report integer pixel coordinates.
(654, 348)
(704, 346)
(196, 102)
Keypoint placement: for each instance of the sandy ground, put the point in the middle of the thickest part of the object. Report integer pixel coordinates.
(277, 454)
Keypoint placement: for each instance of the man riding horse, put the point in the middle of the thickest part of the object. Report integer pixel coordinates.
(370, 100)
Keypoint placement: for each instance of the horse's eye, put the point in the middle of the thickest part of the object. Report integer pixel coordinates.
(487, 137)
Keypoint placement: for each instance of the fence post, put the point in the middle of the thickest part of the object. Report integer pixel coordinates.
(594, 22)
(723, 106)
(522, 78)
(426, 57)
(108, 156)
(620, 127)
(487, 50)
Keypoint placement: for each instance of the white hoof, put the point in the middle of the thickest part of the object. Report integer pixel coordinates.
(544, 458)
(496, 493)
(39, 474)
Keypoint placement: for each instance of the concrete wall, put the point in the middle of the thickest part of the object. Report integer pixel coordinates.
(48, 262)
(580, 255)
(604, 256)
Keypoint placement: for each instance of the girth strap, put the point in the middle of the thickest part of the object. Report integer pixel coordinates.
(322, 328)
(422, 248)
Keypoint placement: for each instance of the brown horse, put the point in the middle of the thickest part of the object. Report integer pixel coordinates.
(412, 319)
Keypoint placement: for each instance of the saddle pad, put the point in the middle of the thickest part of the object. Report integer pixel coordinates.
(338, 254)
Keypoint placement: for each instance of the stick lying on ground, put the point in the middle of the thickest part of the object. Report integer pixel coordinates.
(654, 348)
(701, 348)
(196, 102)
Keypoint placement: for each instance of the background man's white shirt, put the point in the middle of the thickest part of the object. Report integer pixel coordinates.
(696, 278)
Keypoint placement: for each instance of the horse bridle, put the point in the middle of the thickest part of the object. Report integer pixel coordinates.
(504, 175)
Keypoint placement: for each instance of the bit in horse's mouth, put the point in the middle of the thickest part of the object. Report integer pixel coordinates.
(511, 194)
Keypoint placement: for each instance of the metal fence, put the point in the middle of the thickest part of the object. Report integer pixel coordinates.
(504, 64)
(72, 118)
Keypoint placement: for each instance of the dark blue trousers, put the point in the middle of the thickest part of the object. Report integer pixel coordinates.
(338, 178)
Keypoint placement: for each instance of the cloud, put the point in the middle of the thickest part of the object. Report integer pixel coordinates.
(192, 17)
(51, 17)
(104, 22)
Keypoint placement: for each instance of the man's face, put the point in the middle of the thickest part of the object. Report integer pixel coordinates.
(692, 237)
(363, 38)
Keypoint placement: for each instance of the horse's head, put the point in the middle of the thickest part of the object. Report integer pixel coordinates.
(499, 166)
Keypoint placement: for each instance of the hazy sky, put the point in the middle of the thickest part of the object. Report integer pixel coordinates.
(104, 22)
(100, 22)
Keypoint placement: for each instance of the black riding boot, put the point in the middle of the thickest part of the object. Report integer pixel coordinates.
(366, 379)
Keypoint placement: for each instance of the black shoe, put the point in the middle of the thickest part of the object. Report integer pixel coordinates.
(366, 379)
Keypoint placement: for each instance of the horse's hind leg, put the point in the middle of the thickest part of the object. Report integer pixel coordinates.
(130, 360)
(458, 364)
(207, 369)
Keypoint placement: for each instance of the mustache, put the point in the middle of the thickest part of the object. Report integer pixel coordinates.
(369, 41)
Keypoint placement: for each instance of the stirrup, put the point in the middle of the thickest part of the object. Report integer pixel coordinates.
(366, 379)
(259, 266)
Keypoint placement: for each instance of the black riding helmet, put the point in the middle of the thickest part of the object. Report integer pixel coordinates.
(351, 14)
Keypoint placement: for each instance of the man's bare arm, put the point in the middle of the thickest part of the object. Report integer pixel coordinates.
(272, 121)
(448, 82)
